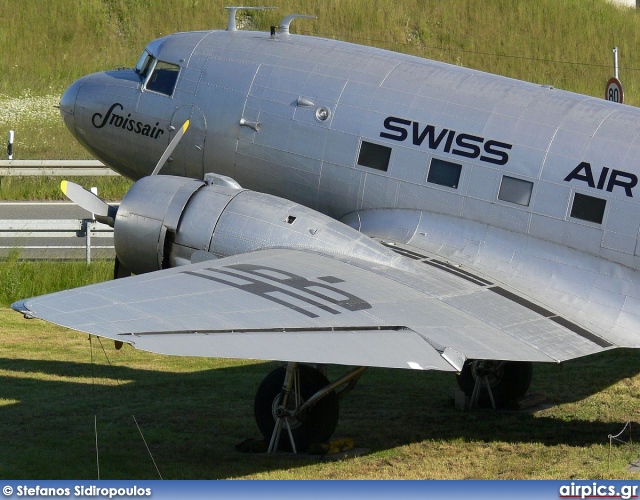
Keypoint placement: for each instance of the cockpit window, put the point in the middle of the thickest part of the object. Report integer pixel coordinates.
(144, 63)
(163, 78)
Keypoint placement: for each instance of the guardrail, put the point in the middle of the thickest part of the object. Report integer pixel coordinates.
(54, 168)
(55, 228)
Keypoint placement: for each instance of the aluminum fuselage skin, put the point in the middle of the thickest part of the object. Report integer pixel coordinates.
(288, 116)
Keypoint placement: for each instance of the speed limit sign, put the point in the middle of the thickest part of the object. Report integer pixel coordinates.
(613, 91)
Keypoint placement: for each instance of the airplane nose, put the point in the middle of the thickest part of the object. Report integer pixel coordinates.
(68, 104)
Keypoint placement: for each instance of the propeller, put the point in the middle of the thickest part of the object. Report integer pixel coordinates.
(102, 211)
(105, 213)
(172, 145)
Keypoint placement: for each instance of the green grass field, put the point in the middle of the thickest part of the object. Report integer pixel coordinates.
(566, 43)
(56, 384)
(193, 411)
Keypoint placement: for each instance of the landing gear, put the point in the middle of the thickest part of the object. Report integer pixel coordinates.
(300, 401)
(494, 383)
(119, 271)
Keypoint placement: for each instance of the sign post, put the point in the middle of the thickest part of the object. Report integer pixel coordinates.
(613, 91)
(10, 145)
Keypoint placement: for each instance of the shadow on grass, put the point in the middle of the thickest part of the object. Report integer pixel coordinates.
(49, 411)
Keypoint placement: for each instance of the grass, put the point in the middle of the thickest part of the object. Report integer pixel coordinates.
(20, 279)
(39, 188)
(538, 41)
(193, 411)
(41, 134)
(564, 43)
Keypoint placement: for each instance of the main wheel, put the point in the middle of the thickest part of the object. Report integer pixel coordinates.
(316, 425)
(508, 380)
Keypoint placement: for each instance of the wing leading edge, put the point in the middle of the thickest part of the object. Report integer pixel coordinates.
(293, 305)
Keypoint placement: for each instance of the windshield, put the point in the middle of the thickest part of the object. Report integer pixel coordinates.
(144, 63)
(163, 78)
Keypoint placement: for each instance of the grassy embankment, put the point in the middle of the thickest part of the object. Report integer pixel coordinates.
(564, 43)
(194, 411)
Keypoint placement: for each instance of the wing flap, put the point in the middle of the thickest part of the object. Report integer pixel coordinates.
(525, 322)
(391, 348)
(285, 304)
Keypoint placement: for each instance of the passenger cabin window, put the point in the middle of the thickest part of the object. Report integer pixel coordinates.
(143, 65)
(163, 78)
(588, 208)
(374, 156)
(515, 190)
(444, 173)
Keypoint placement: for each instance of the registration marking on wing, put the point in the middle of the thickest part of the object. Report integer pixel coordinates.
(277, 285)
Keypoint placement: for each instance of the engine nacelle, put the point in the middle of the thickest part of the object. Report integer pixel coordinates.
(163, 220)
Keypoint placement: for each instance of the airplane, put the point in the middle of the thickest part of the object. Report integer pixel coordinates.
(332, 203)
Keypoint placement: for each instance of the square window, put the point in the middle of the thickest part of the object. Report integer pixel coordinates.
(515, 190)
(164, 78)
(444, 173)
(588, 208)
(374, 156)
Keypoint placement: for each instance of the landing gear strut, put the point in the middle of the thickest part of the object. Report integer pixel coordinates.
(300, 401)
(490, 383)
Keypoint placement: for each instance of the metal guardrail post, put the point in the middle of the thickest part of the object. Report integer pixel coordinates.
(88, 226)
(10, 145)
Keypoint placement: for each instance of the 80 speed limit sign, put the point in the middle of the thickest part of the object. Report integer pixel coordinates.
(613, 90)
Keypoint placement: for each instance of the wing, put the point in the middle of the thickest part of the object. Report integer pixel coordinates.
(294, 305)
(598, 294)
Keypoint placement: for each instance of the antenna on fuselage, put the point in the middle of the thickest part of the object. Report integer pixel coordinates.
(231, 23)
(286, 22)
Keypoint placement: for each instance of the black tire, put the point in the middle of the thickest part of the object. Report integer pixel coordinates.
(509, 381)
(315, 426)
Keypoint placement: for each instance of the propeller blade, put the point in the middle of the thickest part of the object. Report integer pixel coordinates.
(172, 145)
(102, 211)
(84, 198)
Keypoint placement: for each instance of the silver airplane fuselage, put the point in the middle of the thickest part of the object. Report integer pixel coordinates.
(530, 184)
(332, 203)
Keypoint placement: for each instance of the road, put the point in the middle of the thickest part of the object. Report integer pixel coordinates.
(48, 245)
(21, 210)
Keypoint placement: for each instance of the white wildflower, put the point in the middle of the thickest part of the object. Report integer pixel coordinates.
(26, 108)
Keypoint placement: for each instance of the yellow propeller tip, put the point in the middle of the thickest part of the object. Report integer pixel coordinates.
(185, 126)
(63, 187)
